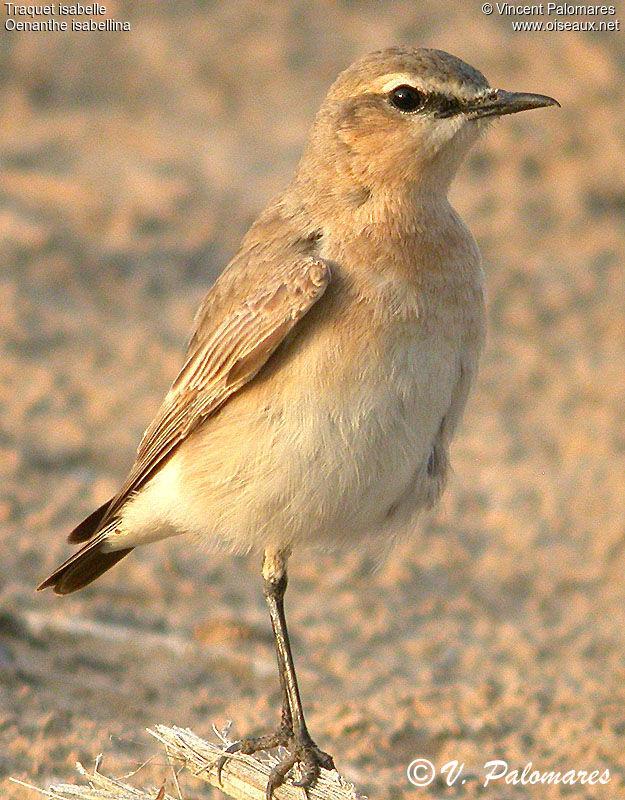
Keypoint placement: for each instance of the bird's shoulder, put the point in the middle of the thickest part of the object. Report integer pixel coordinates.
(277, 255)
(267, 288)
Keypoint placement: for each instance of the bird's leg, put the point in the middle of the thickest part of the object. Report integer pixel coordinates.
(292, 732)
(301, 746)
(280, 737)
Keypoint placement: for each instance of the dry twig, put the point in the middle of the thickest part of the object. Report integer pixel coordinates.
(243, 777)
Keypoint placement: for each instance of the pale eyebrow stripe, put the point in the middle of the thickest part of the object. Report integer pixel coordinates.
(390, 81)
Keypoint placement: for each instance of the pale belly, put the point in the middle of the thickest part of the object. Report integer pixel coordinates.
(336, 455)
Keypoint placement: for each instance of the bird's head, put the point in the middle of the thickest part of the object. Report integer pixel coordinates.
(407, 116)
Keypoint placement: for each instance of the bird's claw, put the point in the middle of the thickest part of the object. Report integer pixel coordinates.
(281, 737)
(278, 774)
(305, 753)
(233, 748)
(310, 758)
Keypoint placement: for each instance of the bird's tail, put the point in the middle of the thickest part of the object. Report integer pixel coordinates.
(90, 561)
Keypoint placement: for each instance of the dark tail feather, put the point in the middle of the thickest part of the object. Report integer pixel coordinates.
(89, 526)
(83, 567)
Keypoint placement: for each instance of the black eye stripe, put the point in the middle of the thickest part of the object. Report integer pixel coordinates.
(408, 99)
(444, 105)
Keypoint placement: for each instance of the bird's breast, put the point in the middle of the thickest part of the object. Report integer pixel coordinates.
(335, 433)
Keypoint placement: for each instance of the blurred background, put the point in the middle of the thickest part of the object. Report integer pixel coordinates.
(131, 165)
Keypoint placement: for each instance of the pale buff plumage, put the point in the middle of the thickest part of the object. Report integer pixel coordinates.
(332, 359)
(332, 441)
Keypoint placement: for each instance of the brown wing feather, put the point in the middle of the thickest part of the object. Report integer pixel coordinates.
(219, 363)
(83, 567)
(90, 525)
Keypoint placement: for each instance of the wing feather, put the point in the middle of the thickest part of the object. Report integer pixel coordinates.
(222, 361)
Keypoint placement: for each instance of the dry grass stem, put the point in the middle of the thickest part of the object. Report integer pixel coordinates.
(243, 777)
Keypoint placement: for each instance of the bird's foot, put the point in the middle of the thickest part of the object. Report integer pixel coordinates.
(253, 744)
(310, 758)
(301, 750)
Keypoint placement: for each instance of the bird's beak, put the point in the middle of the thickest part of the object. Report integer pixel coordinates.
(498, 102)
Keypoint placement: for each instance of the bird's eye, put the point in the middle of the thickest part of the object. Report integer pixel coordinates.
(406, 98)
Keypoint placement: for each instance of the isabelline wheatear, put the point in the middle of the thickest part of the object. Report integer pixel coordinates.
(332, 359)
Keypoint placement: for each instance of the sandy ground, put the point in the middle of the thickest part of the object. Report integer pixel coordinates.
(131, 165)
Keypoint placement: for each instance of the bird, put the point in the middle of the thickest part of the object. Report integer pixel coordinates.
(331, 360)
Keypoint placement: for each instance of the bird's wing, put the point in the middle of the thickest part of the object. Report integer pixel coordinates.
(222, 360)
